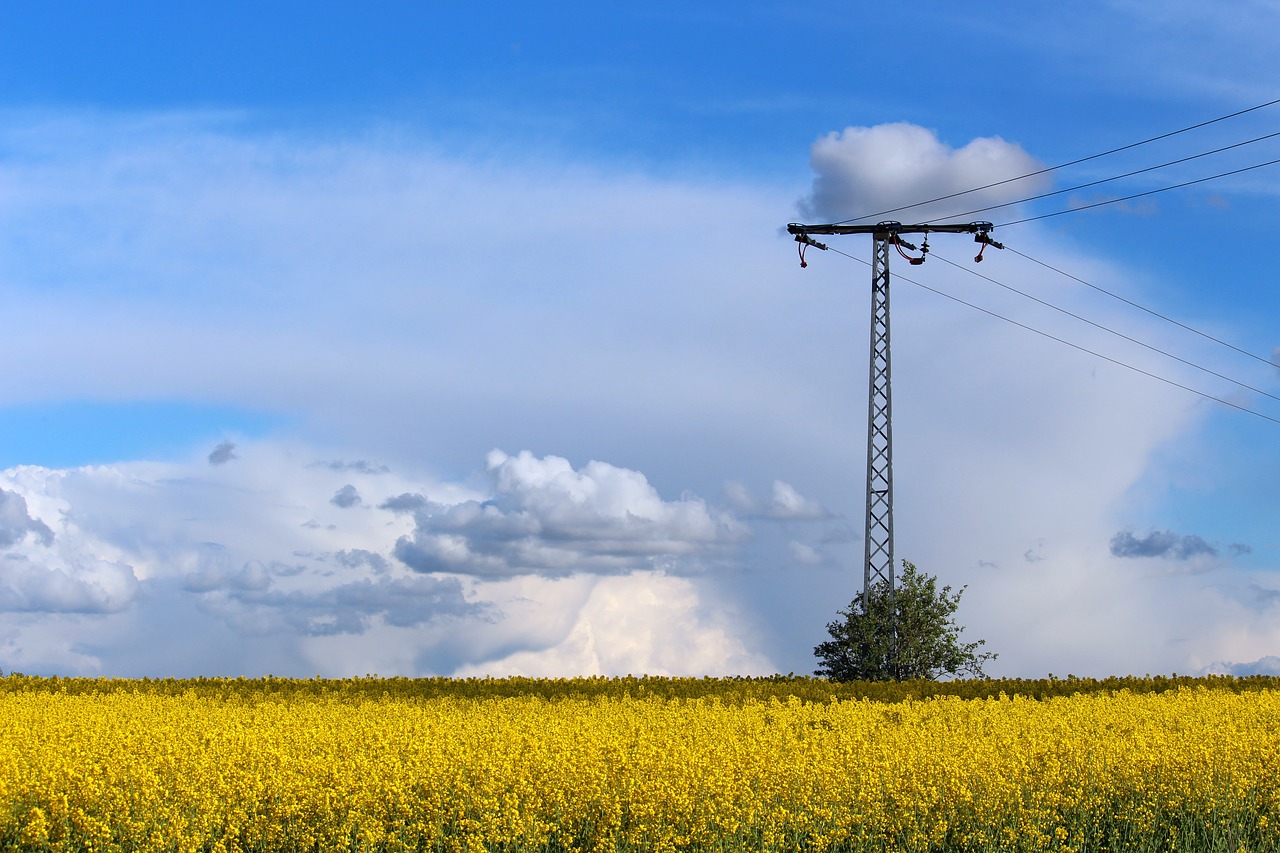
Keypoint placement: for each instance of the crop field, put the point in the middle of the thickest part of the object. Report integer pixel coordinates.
(636, 764)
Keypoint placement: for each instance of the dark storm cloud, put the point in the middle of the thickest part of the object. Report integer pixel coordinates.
(1161, 544)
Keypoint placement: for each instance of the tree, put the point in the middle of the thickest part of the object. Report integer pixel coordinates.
(927, 643)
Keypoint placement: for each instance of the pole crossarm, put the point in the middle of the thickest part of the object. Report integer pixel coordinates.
(891, 228)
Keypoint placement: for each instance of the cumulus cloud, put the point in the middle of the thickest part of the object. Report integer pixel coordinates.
(15, 522)
(223, 453)
(346, 497)
(864, 170)
(152, 565)
(1161, 544)
(345, 608)
(547, 518)
(645, 622)
(83, 586)
(1267, 665)
(357, 557)
(240, 541)
(405, 503)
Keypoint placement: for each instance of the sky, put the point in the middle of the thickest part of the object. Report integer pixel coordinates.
(404, 339)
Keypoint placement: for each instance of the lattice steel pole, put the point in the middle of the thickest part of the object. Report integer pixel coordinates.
(878, 542)
(878, 545)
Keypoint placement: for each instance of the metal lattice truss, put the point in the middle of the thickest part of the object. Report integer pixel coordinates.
(878, 563)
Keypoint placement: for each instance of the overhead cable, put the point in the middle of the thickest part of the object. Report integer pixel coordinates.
(1113, 178)
(1153, 313)
(1107, 329)
(1049, 169)
(1139, 195)
(1078, 347)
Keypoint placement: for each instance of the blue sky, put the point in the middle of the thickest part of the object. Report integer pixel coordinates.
(408, 339)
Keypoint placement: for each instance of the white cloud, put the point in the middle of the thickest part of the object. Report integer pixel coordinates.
(545, 517)
(866, 170)
(16, 524)
(642, 623)
(789, 504)
(59, 586)
(247, 554)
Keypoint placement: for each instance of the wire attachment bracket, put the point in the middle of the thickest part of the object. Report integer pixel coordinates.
(900, 244)
(805, 242)
(985, 239)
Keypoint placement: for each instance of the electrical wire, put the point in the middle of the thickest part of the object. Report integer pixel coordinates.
(1078, 347)
(1113, 178)
(1138, 195)
(1153, 313)
(1107, 329)
(1049, 169)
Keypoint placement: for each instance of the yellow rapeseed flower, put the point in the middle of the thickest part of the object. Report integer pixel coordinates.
(665, 766)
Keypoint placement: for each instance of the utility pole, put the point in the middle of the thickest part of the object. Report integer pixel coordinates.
(878, 567)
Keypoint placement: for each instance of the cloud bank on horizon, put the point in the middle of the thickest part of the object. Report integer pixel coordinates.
(717, 529)
(459, 582)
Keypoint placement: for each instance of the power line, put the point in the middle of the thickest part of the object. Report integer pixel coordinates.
(1113, 178)
(1086, 350)
(1153, 313)
(1049, 169)
(1139, 195)
(1107, 329)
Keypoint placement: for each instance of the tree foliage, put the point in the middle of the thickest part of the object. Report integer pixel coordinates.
(863, 645)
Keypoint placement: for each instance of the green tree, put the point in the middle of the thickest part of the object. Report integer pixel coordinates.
(862, 644)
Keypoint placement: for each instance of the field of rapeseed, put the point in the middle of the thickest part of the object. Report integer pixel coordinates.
(639, 764)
